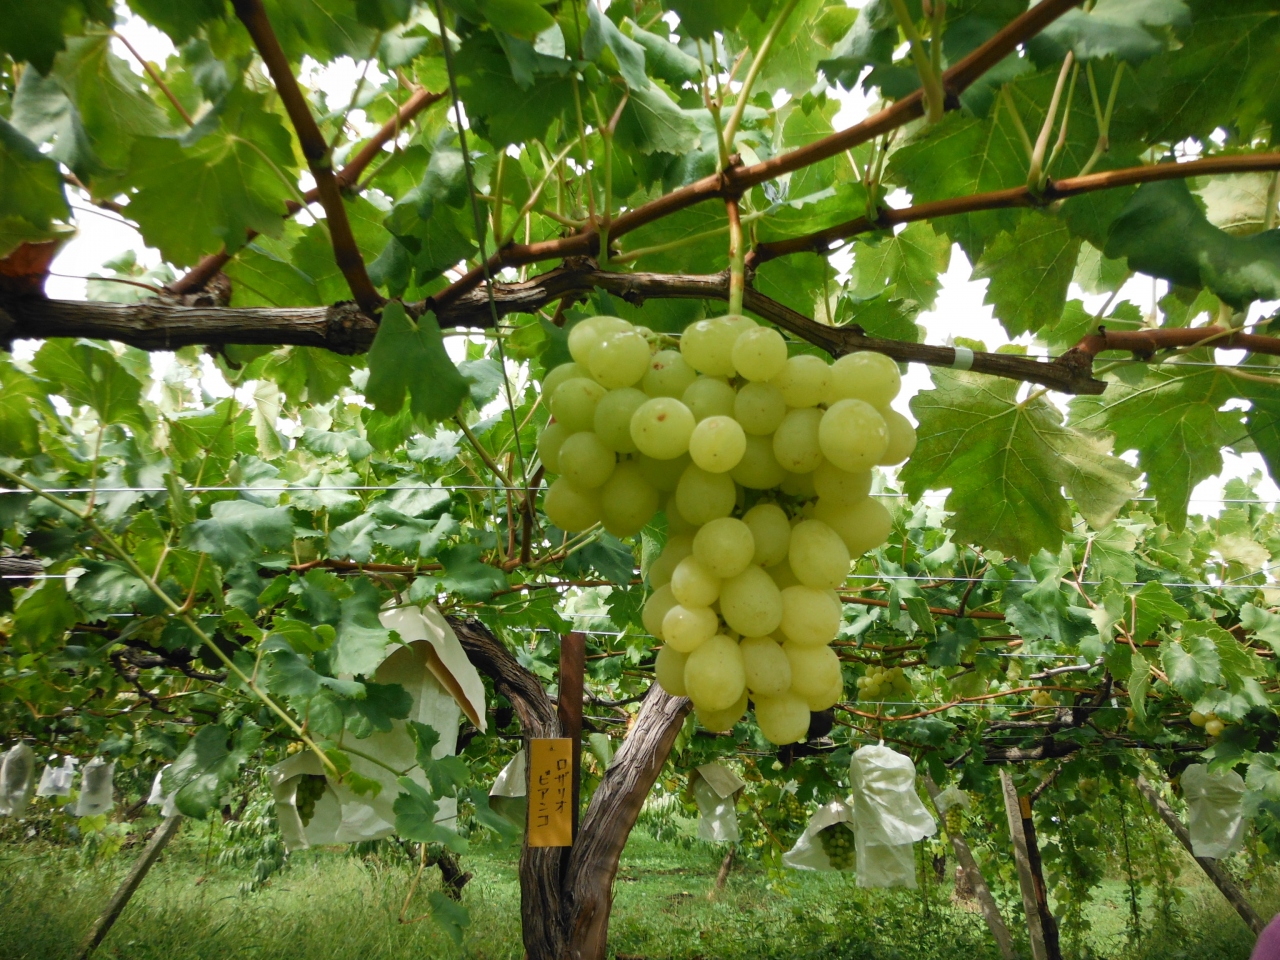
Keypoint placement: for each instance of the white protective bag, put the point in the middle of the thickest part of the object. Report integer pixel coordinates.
(432, 666)
(715, 789)
(809, 853)
(97, 792)
(17, 778)
(167, 804)
(57, 781)
(508, 797)
(953, 796)
(888, 817)
(1215, 811)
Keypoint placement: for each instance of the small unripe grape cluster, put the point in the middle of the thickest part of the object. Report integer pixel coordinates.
(763, 465)
(1212, 725)
(881, 683)
(837, 844)
(954, 820)
(1043, 698)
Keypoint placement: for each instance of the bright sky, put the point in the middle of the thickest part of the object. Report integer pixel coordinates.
(960, 310)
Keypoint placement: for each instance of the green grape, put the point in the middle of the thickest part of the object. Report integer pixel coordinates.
(709, 397)
(853, 435)
(751, 602)
(783, 575)
(724, 546)
(782, 719)
(759, 353)
(770, 532)
(818, 555)
(702, 497)
(722, 721)
(717, 444)
(836, 486)
(677, 548)
(837, 843)
(871, 377)
(668, 375)
(714, 674)
(707, 346)
(676, 522)
(585, 461)
(825, 699)
(585, 335)
(549, 441)
(627, 501)
(810, 617)
(558, 375)
(863, 526)
(688, 628)
(759, 407)
(768, 669)
(612, 421)
(668, 670)
(569, 508)
(574, 404)
(619, 359)
(655, 609)
(798, 485)
(902, 438)
(813, 669)
(795, 442)
(310, 788)
(758, 469)
(663, 474)
(954, 820)
(803, 381)
(661, 428)
(694, 584)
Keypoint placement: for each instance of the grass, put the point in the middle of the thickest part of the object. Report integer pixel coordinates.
(341, 907)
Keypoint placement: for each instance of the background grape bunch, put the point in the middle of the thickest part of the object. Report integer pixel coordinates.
(837, 844)
(763, 466)
(884, 683)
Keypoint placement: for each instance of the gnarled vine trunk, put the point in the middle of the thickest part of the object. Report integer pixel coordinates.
(566, 893)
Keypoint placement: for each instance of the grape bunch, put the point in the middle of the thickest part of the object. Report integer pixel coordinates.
(837, 844)
(762, 464)
(310, 789)
(1043, 698)
(880, 683)
(954, 820)
(1212, 725)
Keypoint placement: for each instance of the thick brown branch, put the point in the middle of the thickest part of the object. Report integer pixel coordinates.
(348, 177)
(1145, 343)
(737, 179)
(316, 150)
(822, 240)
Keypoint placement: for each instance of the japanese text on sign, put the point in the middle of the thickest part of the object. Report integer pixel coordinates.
(551, 793)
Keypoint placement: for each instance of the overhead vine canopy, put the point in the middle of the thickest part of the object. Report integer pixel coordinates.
(505, 169)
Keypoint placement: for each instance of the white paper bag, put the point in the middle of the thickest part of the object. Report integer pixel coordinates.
(508, 797)
(168, 804)
(432, 666)
(888, 817)
(57, 781)
(97, 792)
(715, 789)
(809, 852)
(17, 778)
(1215, 811)
(953, 796)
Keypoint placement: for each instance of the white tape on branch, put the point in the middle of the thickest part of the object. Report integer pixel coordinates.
(963, 360)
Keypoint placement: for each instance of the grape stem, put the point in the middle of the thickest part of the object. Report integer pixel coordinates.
(737, 258)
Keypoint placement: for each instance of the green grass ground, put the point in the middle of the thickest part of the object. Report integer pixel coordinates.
(339, 907)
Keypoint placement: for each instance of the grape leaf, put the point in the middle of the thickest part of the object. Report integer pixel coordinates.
(701, 18)
(1175, 424)
(36, 32)
(911, 259)
(1191, 664)
(33, 193)
(410, 356)
(1006, 464)
(1030, 270)
(652, 122)
(238, 529)
(88, 372)
(1125, 29)
(209, 766)
(362, 640)
(503, 111)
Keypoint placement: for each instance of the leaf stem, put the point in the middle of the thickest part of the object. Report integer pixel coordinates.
(1066, 120)
(744, 95)
(713, 107)
(1006, 94)
(479, 448)
(1104, 117)
(934, 98)
(154, 74)
(582, 143)
(1036, 174)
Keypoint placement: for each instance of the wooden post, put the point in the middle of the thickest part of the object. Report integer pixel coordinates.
(164, 833)
(1026, 879)
(1047, 923)
(1220, 878)
(573, 655)
(986, 902)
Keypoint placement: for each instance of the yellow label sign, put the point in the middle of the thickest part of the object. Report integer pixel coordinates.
(551, 793)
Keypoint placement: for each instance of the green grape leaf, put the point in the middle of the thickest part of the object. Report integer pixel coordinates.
(702, 18)
(503, 111)
(238, 529)
(467, 575)
(354, 539)
(415, 811)
(1164, 233)
(33, 196)
(37, 32)
(45, 613)
(181, 21)
(409, 356)
(413, 536)
(486, 816)
(209, 766)
(664, 59)
(88, 372)
(1175, 424)
(21, 400)
(1126, 29)
(652, 122)
(1007, 462)
(362, 639)
(911, 260)
(1262, 623)
(602, 34)
(1139, 684)
(1191, 664)
(1155, 605)
(1263, 423)
(337, 444)
(449, 915)
(884, 315)
(1030, 270)
(381, 704)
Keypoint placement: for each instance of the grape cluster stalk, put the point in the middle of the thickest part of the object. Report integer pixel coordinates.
(763, 466)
